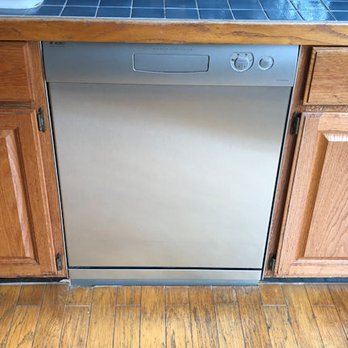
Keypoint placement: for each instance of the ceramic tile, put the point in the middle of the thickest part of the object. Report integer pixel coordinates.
(116, 12)
(181, 14)
(215, 14)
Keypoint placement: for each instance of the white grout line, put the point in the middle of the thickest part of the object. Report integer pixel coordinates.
(61, 12)
(229, 6)
(95, 15)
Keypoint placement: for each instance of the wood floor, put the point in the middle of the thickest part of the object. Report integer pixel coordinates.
(264, 316)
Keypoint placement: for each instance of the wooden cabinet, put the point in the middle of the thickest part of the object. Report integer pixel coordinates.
(26, 246)
(327, 81)
(314, 239)
(309, 225)
(16, 71)
(31, 239)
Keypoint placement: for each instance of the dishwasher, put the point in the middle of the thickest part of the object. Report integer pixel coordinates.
(167, 157)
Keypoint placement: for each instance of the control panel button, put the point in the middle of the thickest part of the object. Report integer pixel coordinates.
(266, 63)
(242, 61)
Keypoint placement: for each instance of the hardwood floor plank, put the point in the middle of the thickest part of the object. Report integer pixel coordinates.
(330, 327)
(8, 299)
(279, 327)
(75, 327)
(127, 326)
(224, 295)
(80, 297)
(339, 294)
(101, 326)
(178, 322)
(272, 294)
(230, 332)
(152, 326)
(252, 317)
(203, 317)
(291, 315)
(319, 295)
(31, 295)
(23, 326)
(50, 323)
(128, 295)
(302, 317)
(177, 295)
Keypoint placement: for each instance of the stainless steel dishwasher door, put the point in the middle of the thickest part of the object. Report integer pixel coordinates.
(170, 176)
(159, 180)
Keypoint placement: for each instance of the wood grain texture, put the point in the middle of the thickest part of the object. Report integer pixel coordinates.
(319, 295)
(178, 321)
(302, 317)
(101, 325)
(127, 326)
(230, 331)
(30, 225)
(252, 317)
(315, 230)
(279, 327)
(15, 72)
(339, 294)
(80, 296)
(50, 323)
(99, 30)
(75, 327)
(203, 317)
(330, 327)
(288, 159)
(217, 317)
(46, 147)
(23, 326)
(25, 228)
(152, 317)
(128, 295)
(15, 217)
(8, 300)
(328, 232)
(177, 295)
(31, 295)
(327, 82)
(272, 294)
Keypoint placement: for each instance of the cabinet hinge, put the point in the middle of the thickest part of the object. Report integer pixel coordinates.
(41, 120)
(295, 123)
(272, 263)
(59, 262)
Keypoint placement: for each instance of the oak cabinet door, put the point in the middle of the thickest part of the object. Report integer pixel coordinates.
(26, 240)
(314, 240)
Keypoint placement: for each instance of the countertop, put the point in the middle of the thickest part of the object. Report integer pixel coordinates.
(306, 22)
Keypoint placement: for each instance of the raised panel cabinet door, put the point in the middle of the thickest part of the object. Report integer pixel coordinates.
(314, 241)
(26, 241)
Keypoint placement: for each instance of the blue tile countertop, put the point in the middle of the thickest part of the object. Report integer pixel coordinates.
(245, 10)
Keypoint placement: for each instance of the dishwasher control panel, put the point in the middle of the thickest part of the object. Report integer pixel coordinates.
(242, 61)
(211, 65)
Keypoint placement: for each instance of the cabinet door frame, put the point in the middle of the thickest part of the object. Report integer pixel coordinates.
(33, 62)
(22, 140)
(305, 176)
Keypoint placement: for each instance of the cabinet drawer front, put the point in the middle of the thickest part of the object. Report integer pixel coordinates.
(15, 72)
(327, 82)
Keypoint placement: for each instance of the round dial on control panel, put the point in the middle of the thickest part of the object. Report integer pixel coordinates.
(242, 61)
(266, 63)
